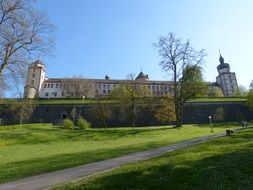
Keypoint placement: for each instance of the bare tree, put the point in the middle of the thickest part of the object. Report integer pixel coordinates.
(3, 87)
(25, 33)
(77, 87)
(241, 91)
(176, 56)
(22, 109)
(219, 114)
(102, 111)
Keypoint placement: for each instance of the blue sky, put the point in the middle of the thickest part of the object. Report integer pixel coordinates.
(115, 37)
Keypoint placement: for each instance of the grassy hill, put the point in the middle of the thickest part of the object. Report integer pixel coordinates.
(34, 149)
(225, 164)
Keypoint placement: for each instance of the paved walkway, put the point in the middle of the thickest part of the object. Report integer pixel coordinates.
(47, 180)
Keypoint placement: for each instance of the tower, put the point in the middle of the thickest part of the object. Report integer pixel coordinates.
(226, 79)
(35, 78)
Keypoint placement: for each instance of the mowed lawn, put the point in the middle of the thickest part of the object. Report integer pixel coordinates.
(34, 149)
(222, 164)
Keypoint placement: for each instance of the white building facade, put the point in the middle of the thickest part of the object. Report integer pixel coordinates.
(37, 85)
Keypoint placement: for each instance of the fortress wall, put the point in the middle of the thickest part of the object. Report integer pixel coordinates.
(193, 113)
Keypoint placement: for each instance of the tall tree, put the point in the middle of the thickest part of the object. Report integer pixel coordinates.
(22, 109)
(166, 113)
(219, 114)
(176, 57)
(25, 33)
(241, 91)
(215, 92)
(129, 98)
(102, 111)
(192, 84)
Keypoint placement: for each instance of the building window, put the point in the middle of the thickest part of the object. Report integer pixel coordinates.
(33, 75)
(108, 86)
(55, 94)
(32, 82)
(45, 85)
(60, 85)
(48, 85)
(63, 94)
(52, 85)
(46, 94)
(56, 86)
(104, 91)
(104, 87)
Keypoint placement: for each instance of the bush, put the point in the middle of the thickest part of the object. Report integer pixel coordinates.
(68, 124)
(83, 124)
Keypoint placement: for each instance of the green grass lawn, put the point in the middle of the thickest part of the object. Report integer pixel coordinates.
(94, 101)
(36, 149)
(218, 99)
(222, 164)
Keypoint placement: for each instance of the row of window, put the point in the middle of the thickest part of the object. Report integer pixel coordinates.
(104, 86)
(54, 94)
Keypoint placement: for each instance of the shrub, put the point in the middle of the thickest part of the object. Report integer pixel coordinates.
(83, 124)
(68, 124)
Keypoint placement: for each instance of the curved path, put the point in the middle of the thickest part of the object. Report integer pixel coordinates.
(45, 181)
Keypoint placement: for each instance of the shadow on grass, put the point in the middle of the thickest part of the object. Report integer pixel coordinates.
(49, 135)
(21, 169)
(229, 169)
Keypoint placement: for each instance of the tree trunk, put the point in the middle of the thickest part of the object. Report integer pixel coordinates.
(105, 125)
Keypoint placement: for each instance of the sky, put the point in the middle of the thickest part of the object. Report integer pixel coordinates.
(115, 37)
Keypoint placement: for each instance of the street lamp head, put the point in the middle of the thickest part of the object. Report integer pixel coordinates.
(210, 117)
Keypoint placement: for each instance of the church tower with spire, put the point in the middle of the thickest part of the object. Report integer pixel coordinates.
(226, 79)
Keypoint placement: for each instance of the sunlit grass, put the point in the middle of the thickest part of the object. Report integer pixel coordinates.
(225, 164)
(33, 149)
(111, 101)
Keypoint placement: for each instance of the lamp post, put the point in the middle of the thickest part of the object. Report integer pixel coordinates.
(211, 124)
